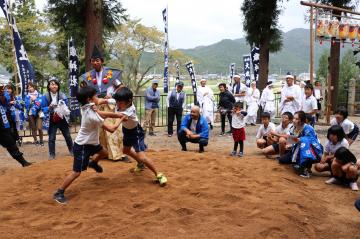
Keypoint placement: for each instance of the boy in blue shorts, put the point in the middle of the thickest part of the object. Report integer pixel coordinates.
(87, 141)
(133, 134)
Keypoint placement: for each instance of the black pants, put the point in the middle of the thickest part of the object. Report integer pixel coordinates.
(229, 116)
(13, 130)
(64, 128)
(172, 112)
(7, 141)
(183, 140)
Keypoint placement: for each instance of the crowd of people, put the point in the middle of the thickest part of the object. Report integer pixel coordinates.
(110, 127)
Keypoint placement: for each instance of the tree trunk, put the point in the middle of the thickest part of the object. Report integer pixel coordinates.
(264, 63)
(94, 29)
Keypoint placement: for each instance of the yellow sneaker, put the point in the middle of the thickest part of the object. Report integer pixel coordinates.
(162, 179)
(139, 168)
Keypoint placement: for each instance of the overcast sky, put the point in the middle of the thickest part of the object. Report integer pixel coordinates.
(203, 22)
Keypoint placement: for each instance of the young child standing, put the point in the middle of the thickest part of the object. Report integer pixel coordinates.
(87, 141)
(238, 129)
(133, 142)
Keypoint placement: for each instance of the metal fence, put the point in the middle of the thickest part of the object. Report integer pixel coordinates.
(161, 118)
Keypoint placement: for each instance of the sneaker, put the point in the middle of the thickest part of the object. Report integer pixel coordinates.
(152, 134)
(357, 204)
(222, 134)
(183, 149)
(94, 165)
(252, 124)
(41, 143)
(125, 159)
(139, 168)
(60, 197)
(161, 179)
(240, 154)
(36, 143)
(51, 157)
(233, 153)
(169, 135)
(26, 164)
(354, 186)
(331, 181)
(305, 173)
(229, 132)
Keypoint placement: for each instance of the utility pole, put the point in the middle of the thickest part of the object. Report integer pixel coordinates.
(311, 45)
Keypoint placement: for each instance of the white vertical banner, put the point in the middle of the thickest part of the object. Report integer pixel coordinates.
(247, 72)
(232, 73)
(166, 51)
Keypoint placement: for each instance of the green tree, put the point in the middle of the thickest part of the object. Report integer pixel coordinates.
(335, 48)
(261, 27)
(348, 70)
(130, 44)
(87, 21)
(38, 39)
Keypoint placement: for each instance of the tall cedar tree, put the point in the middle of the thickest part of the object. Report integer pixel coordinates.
(261, 28)
(87, 21)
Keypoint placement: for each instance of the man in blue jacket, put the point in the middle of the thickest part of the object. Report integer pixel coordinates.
(152, 99)
(194, 129)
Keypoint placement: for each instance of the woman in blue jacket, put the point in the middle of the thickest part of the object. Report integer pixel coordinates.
(50, 102)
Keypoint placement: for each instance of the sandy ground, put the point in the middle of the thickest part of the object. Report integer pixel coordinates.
(209, 195)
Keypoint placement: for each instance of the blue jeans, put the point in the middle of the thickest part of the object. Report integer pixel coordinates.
(64, 128)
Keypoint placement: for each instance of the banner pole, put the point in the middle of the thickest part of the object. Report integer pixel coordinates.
(16, 77)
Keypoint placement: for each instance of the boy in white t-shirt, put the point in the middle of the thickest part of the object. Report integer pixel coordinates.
(265, 128)
(309, 103)
(279, 136)
(351, 129)
(87, 141)
(134, 135)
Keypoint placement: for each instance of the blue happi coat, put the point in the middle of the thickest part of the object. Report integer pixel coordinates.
(45, 102)
(18, 107)
(308, 148)
(33, 107)
(3, 108)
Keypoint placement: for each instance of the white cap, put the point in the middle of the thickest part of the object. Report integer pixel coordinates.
(236, 76)
(155, 81)
(290, 76)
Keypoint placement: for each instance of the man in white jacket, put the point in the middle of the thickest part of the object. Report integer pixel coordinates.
(267, 100)
(205, 97)
(253, 96)
(290, 96)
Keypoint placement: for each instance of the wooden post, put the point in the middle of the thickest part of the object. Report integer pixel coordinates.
(351, 96)
(311, 45)
(328, 95)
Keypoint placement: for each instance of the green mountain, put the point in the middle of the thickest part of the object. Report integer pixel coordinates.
(293, 57)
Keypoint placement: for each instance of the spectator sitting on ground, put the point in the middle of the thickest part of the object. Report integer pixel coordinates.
(336, 139)
(344, 169)
(279, 136)
(351, 129)
(262, 139)
(194, 129)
